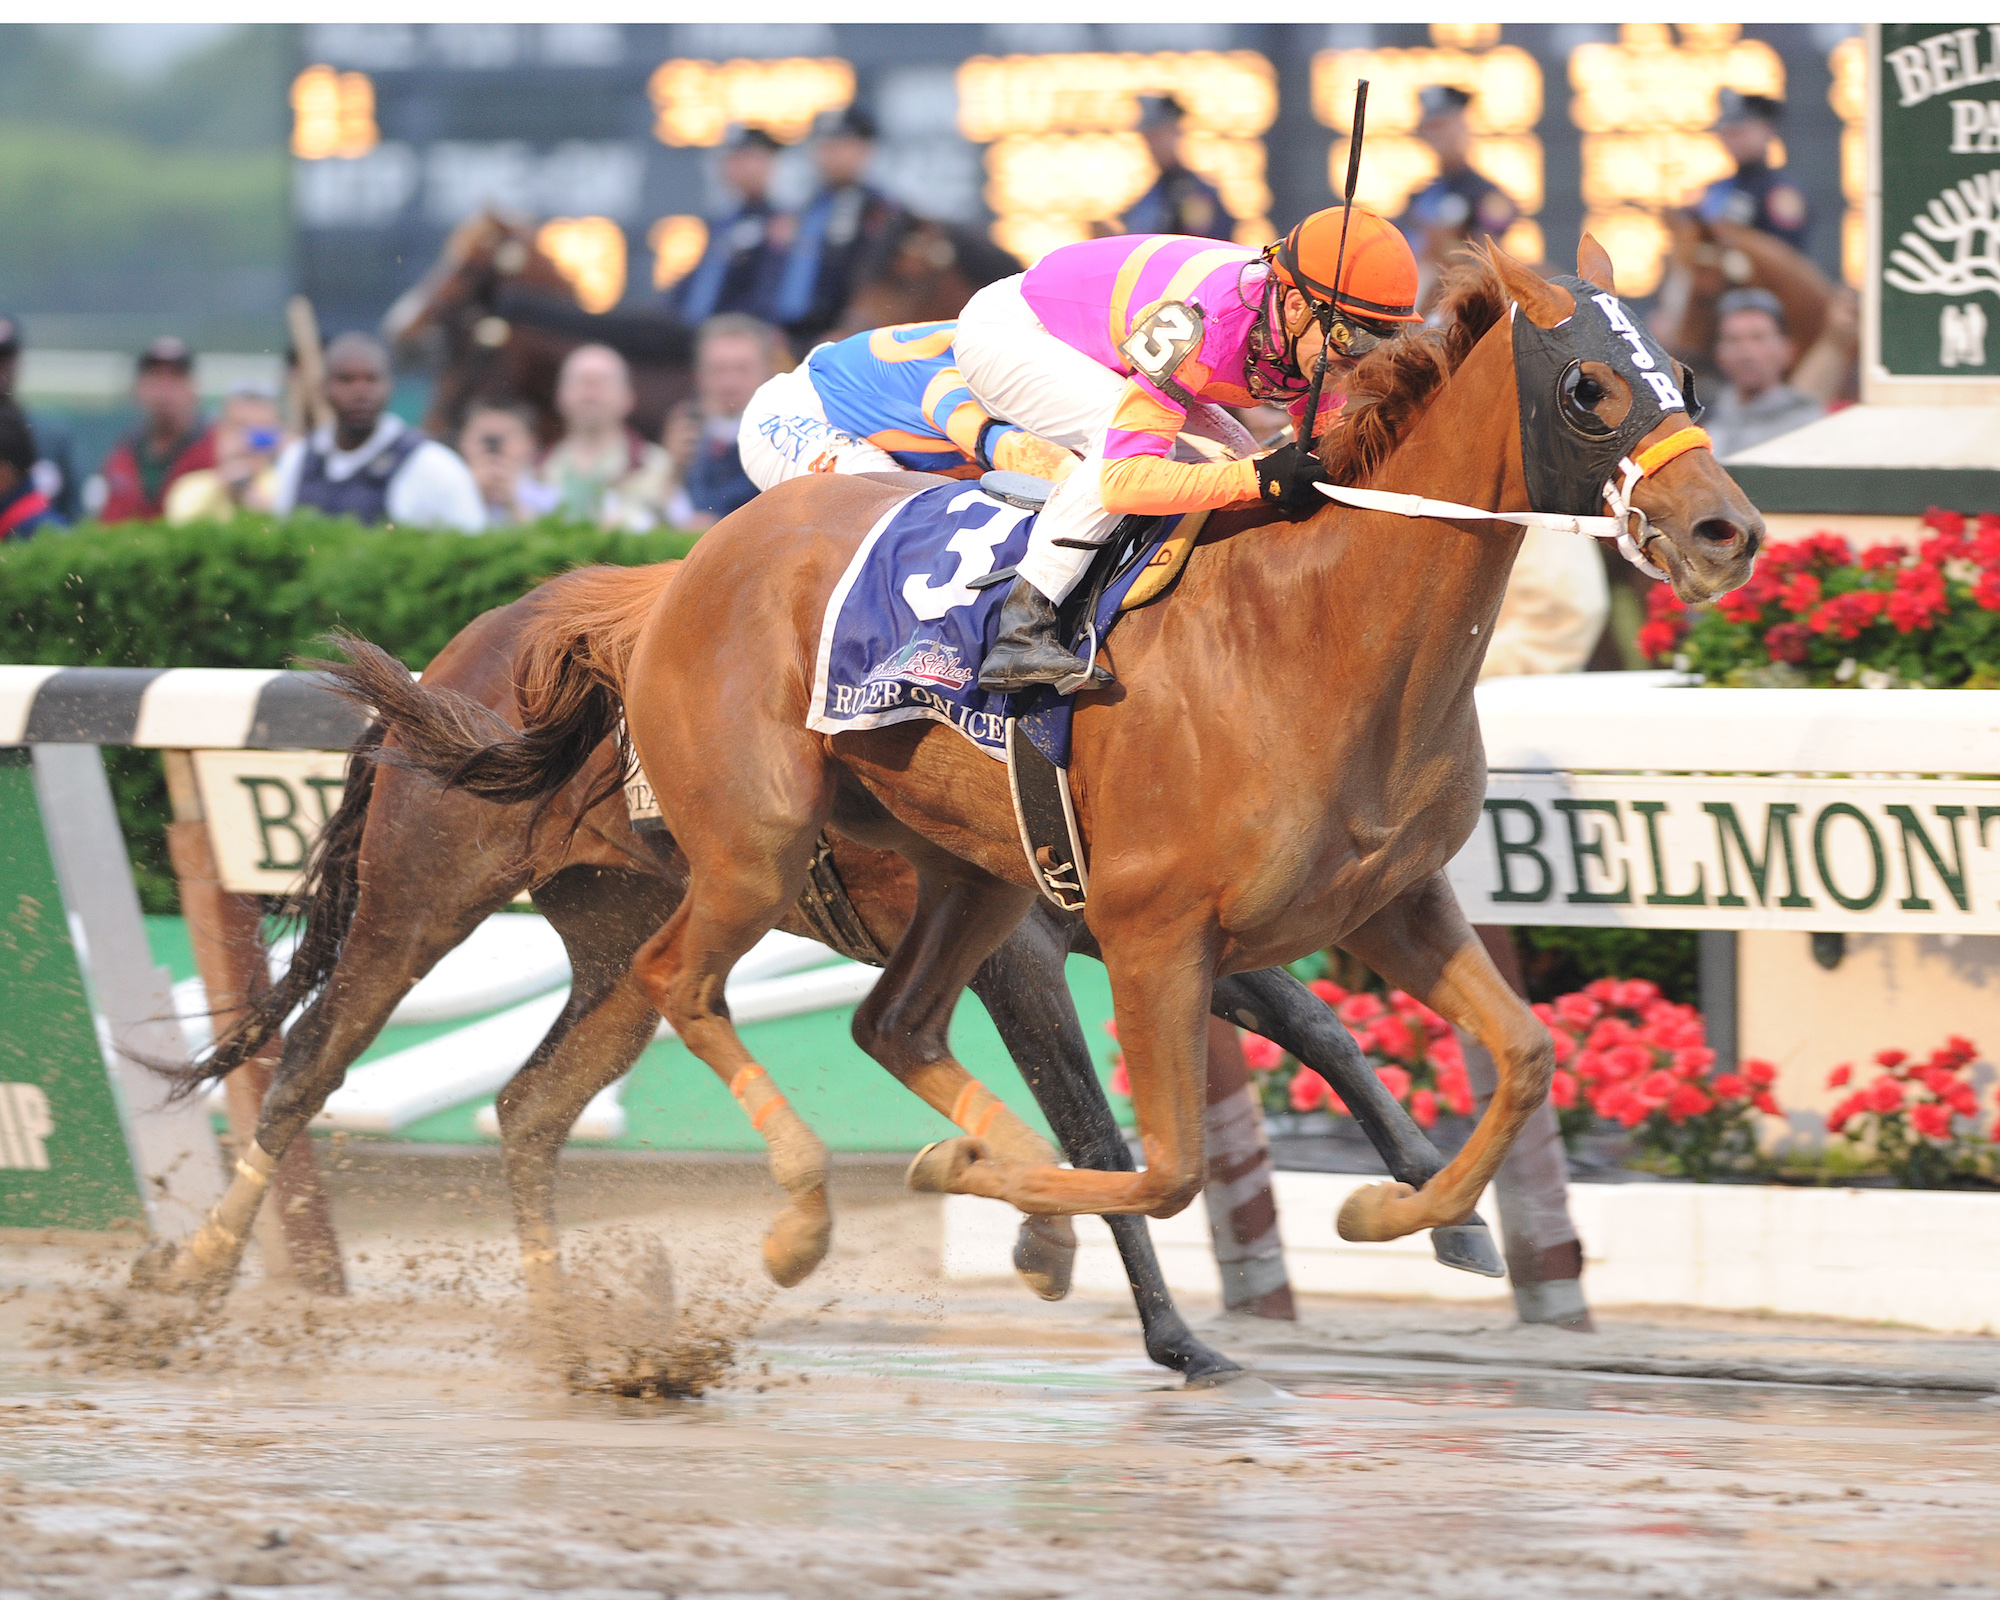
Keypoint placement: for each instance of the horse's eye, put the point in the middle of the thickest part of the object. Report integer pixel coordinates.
(1581, 395)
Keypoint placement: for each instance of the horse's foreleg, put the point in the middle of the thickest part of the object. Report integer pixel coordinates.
(1024, 991)
(1421, 942)
(1285, 1011)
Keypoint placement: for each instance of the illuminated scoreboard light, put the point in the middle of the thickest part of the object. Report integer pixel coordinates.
(1848, 95)
(333, 115)
(1505, 83)
(1645, 106)
(678, 244)
(590, 252)
(697, 102)
(1064, 157)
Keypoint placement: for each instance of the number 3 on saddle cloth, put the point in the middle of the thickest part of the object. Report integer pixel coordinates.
(910, 621)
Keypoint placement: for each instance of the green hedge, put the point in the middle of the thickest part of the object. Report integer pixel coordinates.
(258, 592)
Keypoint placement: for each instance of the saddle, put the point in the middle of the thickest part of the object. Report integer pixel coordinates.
(1042, 806)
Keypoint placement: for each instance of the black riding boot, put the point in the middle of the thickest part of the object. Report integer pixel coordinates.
(1026, 653)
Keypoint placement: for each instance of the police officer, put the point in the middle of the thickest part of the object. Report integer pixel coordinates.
(842, 226)
(1178, 202)
(1757, 196)
(739, 270)
(1461, 203)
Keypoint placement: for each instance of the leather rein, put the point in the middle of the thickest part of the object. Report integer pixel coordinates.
(1626, 523)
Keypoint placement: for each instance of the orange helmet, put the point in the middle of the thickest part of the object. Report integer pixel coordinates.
(1378, 275)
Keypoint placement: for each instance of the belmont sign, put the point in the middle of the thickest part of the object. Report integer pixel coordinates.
(1816, 854)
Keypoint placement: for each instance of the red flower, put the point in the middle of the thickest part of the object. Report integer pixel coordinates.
(1932, 1121)
(1562, 1090)
(1838, 1078)
(1885, 1094)
(1790, 641)
(1889, 1058)
(1424, 1108)
(1393, 1038)
(1630, 1061)
(1361, 1008)
(1565, 1045)
(1578, 1010)
(1801, 594)
(1741, 605)
(1659, 1087)
(1635, 994)
(1328, 990)
(1309, 1090)
(1656, 640)
(1836, 1119)
(1880, 557)
(1765, 1103)
(1919, 599)
(1963, 1100)
(1760, 1073)
(1687, 1101)
(1828, 550)
(1259, 1053)
(1395, 1080)
(1693, 1061)
(1986, 592)
(1941, 521)
(1728, 1086)
(1447, 1057)
(1120, 1082)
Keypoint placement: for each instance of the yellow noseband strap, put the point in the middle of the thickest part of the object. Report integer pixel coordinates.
(1675, 445)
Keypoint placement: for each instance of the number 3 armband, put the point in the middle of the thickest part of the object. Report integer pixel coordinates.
(1160, 341)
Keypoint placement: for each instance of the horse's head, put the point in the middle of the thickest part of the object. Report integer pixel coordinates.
(1604, 420)
(456, 294)
(925, 272)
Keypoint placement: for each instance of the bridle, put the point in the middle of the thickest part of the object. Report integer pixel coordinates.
(1627, 523)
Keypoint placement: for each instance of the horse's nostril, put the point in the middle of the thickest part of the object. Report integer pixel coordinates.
(1717, 530)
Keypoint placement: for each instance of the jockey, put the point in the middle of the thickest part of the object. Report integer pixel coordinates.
(1124, 347)
(887, 401)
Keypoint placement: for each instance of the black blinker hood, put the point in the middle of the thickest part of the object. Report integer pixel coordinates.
(1566, 467)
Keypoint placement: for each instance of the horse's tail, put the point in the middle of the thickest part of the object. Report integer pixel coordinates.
(322, 907)
(569, 676)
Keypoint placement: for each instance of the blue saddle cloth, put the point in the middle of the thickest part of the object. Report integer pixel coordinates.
(905, 632)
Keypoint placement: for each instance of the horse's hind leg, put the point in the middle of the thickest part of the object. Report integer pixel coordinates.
(738, 889)
(604, 915)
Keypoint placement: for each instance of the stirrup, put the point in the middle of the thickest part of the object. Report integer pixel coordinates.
(1021, 490)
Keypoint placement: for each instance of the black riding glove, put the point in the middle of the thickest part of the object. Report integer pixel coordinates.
(1285, 480)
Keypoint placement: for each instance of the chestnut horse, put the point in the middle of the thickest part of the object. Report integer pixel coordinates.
(406, 870)
(1288, 759)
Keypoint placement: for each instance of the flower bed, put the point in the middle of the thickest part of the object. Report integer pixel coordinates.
(1630, 1061)
(1817, 614)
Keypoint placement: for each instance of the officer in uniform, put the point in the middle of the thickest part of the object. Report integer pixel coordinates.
(1178, 202)
(739, 270)
(1757, 196)
(1461, 203)
(843, 225)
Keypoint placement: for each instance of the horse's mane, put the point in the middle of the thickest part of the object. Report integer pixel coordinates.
(1390, 388)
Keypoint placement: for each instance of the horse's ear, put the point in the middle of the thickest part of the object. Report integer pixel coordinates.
(1593, 264)
(1541, 302)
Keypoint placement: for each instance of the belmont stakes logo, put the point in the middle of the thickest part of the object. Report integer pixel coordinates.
(925, 661)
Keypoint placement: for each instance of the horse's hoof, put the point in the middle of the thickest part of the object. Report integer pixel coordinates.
(796, 1244)
(165, 1267)
(1377, 1212)
(1045, 1255)
(1469, 1247)
(939, 1166)
(1175, 1347)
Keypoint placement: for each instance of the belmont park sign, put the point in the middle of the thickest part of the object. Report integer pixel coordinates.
(1819, 855)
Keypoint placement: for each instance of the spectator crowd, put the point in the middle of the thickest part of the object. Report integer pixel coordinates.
(768, 286)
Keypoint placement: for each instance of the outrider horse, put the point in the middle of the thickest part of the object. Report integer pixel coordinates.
(1288, 760)
(406, 870)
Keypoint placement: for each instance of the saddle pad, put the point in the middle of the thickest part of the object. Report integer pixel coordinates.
(904, 631)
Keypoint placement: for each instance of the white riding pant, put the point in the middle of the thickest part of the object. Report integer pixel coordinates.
(1019, 371)
(785, 435)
